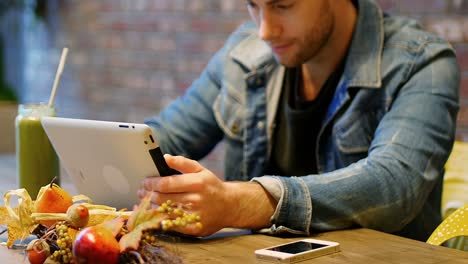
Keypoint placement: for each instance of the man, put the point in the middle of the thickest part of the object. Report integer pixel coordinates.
(333, 116)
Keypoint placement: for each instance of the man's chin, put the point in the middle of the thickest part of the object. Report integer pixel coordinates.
(289, 63)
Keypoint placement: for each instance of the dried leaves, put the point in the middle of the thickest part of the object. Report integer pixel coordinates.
(22, 220)
(143, 218)
(18, 220)
(131, 229)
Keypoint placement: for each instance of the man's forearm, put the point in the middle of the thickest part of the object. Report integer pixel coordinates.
(251, 206)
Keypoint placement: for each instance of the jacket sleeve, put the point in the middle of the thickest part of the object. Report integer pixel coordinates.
(386, 190)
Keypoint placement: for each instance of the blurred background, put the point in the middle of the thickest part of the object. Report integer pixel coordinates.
(130, 58)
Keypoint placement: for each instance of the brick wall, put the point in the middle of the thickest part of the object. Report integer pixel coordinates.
(129, 58)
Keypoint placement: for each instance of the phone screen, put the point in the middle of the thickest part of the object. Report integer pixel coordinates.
(297, 247)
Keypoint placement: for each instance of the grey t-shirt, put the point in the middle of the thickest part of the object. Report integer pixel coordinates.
(297, 126)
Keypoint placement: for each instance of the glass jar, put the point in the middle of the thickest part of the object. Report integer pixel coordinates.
(37, 162)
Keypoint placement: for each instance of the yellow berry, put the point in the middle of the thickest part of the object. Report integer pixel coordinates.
(178, 212)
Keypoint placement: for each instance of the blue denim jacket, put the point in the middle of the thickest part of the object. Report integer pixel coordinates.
(381, 149)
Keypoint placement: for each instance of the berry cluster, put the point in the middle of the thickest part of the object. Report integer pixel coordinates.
(64, 243)
(54, 242)
(177, 216)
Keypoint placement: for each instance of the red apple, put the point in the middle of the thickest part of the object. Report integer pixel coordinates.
(96, 244)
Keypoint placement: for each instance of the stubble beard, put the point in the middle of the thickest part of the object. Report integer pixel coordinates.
(311, 44)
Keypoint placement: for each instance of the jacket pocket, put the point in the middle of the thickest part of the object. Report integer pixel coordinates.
(229, 114)
(355, 132)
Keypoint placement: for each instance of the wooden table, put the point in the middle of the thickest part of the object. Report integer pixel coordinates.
(360, 246)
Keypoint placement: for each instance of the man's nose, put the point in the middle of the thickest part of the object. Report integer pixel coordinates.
(268, 28)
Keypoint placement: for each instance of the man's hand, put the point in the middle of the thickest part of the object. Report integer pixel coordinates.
(219, 204)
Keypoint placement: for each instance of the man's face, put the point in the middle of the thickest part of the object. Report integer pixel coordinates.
(296, 30)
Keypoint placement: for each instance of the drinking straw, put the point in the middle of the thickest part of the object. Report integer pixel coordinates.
(58, 75)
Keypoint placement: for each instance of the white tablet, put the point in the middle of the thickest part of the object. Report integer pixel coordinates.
(106, 160)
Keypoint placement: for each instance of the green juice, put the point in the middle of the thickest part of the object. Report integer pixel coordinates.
(37, 161)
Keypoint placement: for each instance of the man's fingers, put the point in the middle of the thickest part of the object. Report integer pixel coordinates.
(187, 201)
(182, 164)
(191, 229)
(174, 184)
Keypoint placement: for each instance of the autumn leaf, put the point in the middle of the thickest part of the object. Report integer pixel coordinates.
(114, 225)
(4, 216)
(97, 214)
(131, 240)
(101, 213)
(17, 231)
(100, 216)
(141, 213)
(142, 218)
(81, 198)
(20, 223)
(24, 209)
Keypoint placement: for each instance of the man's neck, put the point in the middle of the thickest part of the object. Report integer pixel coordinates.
(316, 71)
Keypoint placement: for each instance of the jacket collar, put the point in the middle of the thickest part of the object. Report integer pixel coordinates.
(363, 64)
(364, 56)
(252, 52)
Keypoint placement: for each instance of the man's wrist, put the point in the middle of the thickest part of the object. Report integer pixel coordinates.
(250, 204)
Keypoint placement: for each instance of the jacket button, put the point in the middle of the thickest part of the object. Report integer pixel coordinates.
(260, 125)
(235, 128)
(256, 81)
